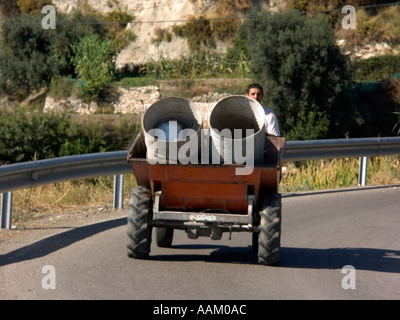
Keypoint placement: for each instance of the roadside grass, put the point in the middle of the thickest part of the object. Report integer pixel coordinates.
(37, 202)
(338, 173)
(69, 196)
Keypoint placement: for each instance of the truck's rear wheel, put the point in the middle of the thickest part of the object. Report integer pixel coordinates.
(164, 237)
(269, 236)
(139, 229)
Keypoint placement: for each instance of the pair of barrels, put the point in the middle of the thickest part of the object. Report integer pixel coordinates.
(235, 124)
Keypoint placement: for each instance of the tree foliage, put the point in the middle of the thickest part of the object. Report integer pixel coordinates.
(94, 63)
(302, 70)
(31, 56)
(27, 136)
(9, 8)
(26, 59)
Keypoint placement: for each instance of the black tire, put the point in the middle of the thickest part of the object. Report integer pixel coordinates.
(269, 235)
(255, 242)
(164, 237)
(254, 238)
(139, 229)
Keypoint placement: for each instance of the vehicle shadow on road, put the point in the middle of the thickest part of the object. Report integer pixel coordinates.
(380, 260)
(372, 259)
(58, 241)
(213, 253)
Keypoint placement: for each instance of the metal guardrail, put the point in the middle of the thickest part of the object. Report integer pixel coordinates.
(41, 172)
(341, 148)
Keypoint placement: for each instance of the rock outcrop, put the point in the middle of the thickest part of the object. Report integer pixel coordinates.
(150, 16)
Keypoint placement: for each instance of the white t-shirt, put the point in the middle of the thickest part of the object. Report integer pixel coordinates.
(271, 122)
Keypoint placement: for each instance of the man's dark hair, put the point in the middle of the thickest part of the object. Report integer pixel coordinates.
(255, 86)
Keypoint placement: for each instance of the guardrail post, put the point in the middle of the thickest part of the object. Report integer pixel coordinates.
(362, 172)
(6, 209)
(118, 191)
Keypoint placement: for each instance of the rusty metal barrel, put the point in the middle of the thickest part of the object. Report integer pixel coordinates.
(236, 125)
(162, 125)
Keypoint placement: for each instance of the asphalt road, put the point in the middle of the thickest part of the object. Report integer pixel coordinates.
(321, 234)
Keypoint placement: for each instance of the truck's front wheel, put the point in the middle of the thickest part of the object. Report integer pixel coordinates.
(139, 229)
(269, 236)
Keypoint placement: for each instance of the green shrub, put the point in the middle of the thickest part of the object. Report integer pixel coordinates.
(377, 68)
(314, 126)
(82, 139)
(94, 62)
(122, 135)
(115, 27)
(71, 28)
(94, 136)
(26, 136)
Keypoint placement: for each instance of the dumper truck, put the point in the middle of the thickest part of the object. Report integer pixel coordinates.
(205, 200)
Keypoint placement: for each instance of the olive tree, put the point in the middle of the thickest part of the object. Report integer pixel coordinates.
(303, 71)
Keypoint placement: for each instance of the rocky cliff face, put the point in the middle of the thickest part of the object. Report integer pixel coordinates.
(153, 15)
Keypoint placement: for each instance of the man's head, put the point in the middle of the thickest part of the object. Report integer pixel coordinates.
(255, 91)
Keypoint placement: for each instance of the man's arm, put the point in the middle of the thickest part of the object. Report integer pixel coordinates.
(271, 124)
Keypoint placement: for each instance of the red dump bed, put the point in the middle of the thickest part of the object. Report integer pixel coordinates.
(196, 187)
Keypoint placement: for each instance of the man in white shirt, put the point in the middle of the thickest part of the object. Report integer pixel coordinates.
(256, 92)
